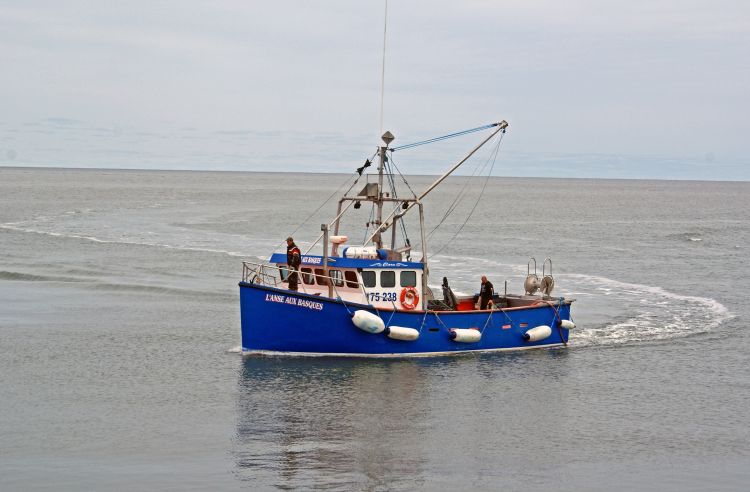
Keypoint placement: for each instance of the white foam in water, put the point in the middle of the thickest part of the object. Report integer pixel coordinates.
(13, 227)
(649, 313)
(235, 350)
(619, 312)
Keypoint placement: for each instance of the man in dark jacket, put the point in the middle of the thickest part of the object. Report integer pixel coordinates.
(293, 259)
(486, 291)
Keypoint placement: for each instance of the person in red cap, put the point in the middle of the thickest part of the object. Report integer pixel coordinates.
(293, 259)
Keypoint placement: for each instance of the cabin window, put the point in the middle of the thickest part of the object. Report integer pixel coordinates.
(368, 279)
(336, 278)
(320, 277)
(351, 279)
(284, 273)
(387, 278)
(408, 278)
(307, 276)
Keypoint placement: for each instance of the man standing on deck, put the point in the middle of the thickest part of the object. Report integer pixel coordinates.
(293, 259)
(486, 291)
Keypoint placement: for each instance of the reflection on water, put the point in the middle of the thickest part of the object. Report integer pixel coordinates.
(354, 424)
(325, 422)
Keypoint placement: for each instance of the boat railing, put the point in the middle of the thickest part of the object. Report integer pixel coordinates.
(270, 275)
(260, 273)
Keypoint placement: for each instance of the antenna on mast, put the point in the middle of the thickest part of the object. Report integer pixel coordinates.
(382, 73)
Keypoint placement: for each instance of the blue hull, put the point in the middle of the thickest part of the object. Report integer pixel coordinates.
(279, 321)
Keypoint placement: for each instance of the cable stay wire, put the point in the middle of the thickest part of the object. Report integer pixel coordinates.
(372, 219)
(444, 137)
(396, 205)
(403, 178)
(358, 176)
(394, 192)
(461, 194)
(496, 151)
(453, 205)
(402, 223)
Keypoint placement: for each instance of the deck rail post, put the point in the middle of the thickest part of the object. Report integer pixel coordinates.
(324, 228)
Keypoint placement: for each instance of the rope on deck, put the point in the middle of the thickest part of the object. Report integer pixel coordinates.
(486, 322)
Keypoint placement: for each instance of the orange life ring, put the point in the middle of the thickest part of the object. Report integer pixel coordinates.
(409, 297)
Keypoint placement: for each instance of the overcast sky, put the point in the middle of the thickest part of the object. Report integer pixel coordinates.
(630, 89)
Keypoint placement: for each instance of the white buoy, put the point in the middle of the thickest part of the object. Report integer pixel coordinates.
(402, 333)
(538, 333)
(567, 324)
(366, 321)
(465, 335)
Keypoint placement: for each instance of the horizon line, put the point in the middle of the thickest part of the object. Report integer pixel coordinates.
(128, 169)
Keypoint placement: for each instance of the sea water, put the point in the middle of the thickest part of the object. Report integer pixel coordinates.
(120, 332)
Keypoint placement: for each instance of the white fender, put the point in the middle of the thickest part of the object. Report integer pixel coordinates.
(567, 324)
(366, 321)
(538, 333)
(401, 333)
(465, 335)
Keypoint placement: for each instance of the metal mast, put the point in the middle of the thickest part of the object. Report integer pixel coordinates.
(382, 150)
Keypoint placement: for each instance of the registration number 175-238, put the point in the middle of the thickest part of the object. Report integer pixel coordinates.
(382, 296)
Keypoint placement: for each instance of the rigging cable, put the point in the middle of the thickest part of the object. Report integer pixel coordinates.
(403, 178)
(476, 172)
(496, 150)
(461, 194)
(358, 172)
(372, 219)
(403, 224)
(444, 137)
(393, 190)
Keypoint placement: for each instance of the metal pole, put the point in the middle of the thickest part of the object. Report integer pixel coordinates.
(379, 219)
(393, 233)
(333, 221)
(425, 269)
(335, 224)
(324, 228)
(382, 73)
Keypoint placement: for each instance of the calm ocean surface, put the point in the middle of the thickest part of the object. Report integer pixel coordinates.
(119, 329)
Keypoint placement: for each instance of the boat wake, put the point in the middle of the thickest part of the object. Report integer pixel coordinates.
(607, 312)
(28, 277)
(94, 239)
(642, 313)
(98, 285)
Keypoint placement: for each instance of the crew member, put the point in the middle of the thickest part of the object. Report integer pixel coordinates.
(486, 291)
(293, 259)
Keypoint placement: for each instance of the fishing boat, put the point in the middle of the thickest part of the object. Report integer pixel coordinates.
(374, 299)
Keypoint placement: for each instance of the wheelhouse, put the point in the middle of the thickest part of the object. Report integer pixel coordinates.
(381, 283)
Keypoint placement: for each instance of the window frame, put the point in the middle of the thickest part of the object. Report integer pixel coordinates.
(352, 281)
(337, 277)
(392, 282)
(401, 278)
(307, 276)
(374, 278)
(320, 277)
